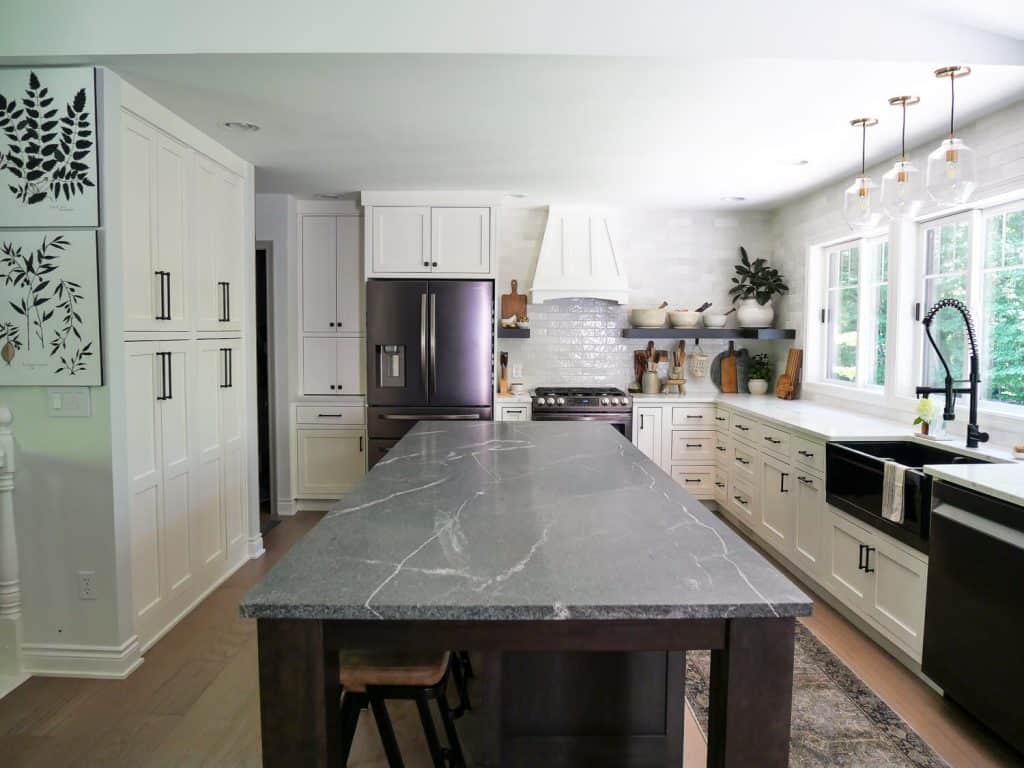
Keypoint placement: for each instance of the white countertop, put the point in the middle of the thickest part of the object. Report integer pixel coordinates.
(1004, 481)
(525, 397)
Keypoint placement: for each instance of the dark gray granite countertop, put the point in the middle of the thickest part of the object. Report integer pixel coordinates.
(530, 520)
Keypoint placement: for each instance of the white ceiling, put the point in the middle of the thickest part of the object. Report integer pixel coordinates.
(674, 103)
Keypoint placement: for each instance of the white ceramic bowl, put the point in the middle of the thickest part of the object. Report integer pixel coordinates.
(684, 318)
(647, 318)
(714, 320)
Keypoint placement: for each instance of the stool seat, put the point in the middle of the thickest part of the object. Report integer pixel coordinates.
(391, 668)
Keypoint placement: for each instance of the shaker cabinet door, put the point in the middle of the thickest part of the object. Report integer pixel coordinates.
(810, 526)
(460, 240)
(142, 286)
(648, 433)
(319, 273)
(173, 177)
(329, 461)
(401, 239)
(351, 315)
(319, 366)
(777, 503)
(351, 364)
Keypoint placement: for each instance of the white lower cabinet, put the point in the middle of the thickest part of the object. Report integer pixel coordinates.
(721, 486)
(700, 481)
(809, 523)
(647, 434)
(330, 461)
(879, 579)
(186, 454)
(514, 412)
(743, 501)
(777, 504)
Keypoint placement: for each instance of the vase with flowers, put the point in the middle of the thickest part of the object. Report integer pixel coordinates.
(928, 411)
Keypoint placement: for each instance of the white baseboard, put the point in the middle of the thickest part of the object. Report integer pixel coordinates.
(285, 507)
(256, 549)
(314, 505)
(58, 660)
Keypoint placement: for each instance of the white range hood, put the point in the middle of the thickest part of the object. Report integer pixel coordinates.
(578, 258)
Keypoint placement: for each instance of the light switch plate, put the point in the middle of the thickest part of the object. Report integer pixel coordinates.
(68, 402)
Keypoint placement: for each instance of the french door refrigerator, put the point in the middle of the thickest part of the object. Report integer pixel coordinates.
(430, 354)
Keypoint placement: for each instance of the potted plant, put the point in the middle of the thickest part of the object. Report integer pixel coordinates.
(754, 287)
(927, 412)
(759, 374)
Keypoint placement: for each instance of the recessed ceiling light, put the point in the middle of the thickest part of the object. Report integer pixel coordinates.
(329, 195)
(517, 194)
(799, 162)
(241, 125)
(733, 199)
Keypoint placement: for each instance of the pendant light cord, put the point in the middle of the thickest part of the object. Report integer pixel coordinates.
(903, 133)
(952, 102)
(863, 148)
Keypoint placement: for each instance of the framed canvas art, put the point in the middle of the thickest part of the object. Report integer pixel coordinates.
(48, 159)
(49, 309)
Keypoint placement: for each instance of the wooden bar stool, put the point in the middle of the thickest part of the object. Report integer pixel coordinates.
(369, 678)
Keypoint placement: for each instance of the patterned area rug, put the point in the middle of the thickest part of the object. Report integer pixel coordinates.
(838, 722)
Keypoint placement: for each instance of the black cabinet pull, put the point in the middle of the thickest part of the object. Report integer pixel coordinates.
(360, 443)
(742, 461)
(741, 500)
(782, 482)
(229, 373)
(860, 556)
(867, 559)
(167, 312)
(741, 428)
(166, 376)
(641, 421)
(719, 484)
(329, 415)
(225, 307)
(772, 440)
(720, 448)
(165, 295)
(690, 416)
(806, 454)
(694, 445)
(720, 418)
(691, 480)
(227, 290)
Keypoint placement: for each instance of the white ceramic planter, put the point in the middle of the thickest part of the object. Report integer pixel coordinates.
(757, 386)
(750, 314)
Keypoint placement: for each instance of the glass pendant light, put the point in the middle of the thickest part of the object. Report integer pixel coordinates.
(951, 177)
(861, 201)
(902, 186)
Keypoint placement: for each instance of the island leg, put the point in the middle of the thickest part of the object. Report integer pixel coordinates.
(752, 695)
(300, 695)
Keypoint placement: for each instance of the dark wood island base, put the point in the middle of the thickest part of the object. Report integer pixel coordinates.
(553, 703)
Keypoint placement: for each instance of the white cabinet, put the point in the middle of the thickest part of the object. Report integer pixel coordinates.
(809, 523)
(880, 579)
(647, 434)
(400, 240)
(333, 366)
(777, 504)
(692, 446)
(460, 240)
(700, 481)
(410, 240)
(514, 412)
(163, 534)
(329, 462)
(220, 247)
(331, 277)
(156, 172)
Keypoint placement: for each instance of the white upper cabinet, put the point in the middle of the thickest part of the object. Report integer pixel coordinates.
(332, 285)
(156, 172)
(220, 247)
(454, 238)
(460, 240)
(401, 239)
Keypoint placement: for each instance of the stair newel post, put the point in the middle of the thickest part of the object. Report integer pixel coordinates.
(10, 584)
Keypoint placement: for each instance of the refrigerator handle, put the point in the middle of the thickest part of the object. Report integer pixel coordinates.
(433, 340)
(423, 342)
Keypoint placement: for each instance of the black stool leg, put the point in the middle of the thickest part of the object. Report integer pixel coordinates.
(351, 705)
(467, 663)
(454, 745)
(459, 673)
(387, 732)
(436, 752)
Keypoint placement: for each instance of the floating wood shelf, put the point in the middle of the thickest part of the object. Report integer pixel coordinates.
(763, 334)
(513, 333)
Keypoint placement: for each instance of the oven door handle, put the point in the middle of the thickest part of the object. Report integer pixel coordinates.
(431, 417)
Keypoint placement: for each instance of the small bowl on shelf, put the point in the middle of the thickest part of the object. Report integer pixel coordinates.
(715, 320)
(684, 318)
(647, 318)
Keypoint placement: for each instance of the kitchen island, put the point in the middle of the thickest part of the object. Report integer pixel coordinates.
(538, 543)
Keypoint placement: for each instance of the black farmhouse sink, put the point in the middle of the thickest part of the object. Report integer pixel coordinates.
(853, 483)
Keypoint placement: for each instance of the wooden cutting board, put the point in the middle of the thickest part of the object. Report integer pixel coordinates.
(785, 387)
(513, 303)
(729, 378)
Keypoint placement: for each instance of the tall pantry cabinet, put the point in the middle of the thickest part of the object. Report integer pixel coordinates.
(328, 444)
(185, 246)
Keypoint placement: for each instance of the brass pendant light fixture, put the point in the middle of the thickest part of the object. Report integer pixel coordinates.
(902, 186)
(951, 171)
(861, 204)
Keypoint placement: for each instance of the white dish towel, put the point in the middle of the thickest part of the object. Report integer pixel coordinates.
(892, 491)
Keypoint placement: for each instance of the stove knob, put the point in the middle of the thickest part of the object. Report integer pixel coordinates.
(551, 401)
(604, 401)
(560, 401)
(539, 401)
(623, 401)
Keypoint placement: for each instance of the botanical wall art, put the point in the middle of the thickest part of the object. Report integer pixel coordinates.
(49, 309)
(48, 172)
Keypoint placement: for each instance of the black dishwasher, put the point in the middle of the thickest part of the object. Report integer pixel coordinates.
(974, 616)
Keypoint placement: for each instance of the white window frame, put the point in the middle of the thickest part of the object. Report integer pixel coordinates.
(866, 319)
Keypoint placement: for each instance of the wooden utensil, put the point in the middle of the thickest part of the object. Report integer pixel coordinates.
(503, 381)
(785, 387)
(513, 303)
(729, 378)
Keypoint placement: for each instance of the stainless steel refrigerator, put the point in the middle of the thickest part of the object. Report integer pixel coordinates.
(430, 355)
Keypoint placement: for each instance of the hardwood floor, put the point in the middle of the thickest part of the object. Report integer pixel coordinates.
(194, 702)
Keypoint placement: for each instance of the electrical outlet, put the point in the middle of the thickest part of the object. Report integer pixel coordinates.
(87, 585)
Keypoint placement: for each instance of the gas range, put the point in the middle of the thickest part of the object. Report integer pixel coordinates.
(581, 400)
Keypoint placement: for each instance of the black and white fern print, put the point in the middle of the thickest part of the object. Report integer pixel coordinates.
(45, 145)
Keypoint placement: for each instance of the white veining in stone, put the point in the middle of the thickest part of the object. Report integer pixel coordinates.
(548, 521)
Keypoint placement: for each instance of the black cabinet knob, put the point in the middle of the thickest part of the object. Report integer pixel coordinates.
(331, 324)
(426, 263)
(332, 386)
(434, 264)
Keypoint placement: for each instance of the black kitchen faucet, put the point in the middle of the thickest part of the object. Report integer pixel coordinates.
(974, 434)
